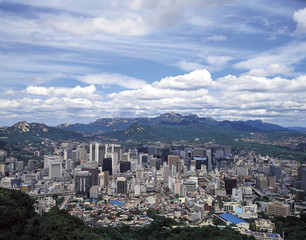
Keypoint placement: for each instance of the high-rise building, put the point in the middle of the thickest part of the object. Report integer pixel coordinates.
(125, 157)
(271, 181)
(82, 184)
(49, 158)
(261, 182)
(173, 160)
(276, 170)
(125, 166)
(302, 177)
(121, 185)
(97, 152)
(166, 173)
(31, 164)
(103, 179)
(94, 172)
(143, 159)
(229, 184)
(55, 169)
(152, 150)
(199, 152)
(115, 160)
(107, 165)
(113, 148)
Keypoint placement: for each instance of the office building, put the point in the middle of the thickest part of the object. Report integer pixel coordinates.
(125, 166)
(55, 169)
(121, 185)
(261, 182)
(94, 172)
(103, 179)
(276, 170)
(278, 209)
(143, 159)
(82, 184)
(50, 158)
(302, 177)
(107, 165)
(229, 184)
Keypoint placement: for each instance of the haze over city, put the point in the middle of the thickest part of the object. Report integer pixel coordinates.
(76, 61)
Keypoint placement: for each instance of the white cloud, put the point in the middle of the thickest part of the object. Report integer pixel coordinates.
(271, 70)
(193, 80)
(75, 92)
(285, 56)
(112, 79)
(218, 61)
(231, 97)
(125, 26)
(215, 38)
(189, 66)
(300, 18)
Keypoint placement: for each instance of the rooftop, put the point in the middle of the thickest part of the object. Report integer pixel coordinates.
(231, 218)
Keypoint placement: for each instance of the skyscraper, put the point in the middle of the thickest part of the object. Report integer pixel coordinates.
(121, 185)
(276, 170)
(107, 165)
(230, 183)
(82, 184)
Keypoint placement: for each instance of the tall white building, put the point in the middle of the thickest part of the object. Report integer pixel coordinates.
(55, 169)
(51, 158)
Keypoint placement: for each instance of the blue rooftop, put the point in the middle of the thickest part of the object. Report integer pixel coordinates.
(273, 235)
(231, 218)
(116, 203)
(200, 158)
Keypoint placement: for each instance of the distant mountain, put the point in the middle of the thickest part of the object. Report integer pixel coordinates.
(103, 125)
(29, 132)
(298, 129)
(173, 132)
(264, 126)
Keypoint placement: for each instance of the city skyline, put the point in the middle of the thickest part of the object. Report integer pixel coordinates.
(75, 62)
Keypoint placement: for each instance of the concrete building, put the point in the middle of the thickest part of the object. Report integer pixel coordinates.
(276, 170)
(264, 225)
(121, 185)
(229, 184)
(82, 184)
(278, 209)
(55, 169)
(51, 158)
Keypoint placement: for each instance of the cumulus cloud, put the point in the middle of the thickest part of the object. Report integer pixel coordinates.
(230, 97)
(75, 92)
(193, 80)
(300, 18)
(112, 79)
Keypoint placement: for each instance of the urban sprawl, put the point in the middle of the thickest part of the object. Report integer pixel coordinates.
(110, 184)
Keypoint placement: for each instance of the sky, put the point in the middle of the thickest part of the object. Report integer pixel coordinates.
(73, 61)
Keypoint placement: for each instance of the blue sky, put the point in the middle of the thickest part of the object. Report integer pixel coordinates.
(77, 61)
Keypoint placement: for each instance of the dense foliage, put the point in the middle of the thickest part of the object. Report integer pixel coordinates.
(293, 227)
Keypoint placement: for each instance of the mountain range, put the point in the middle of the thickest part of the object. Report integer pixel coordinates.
(170, 127)
(33, 132)
(104, 125)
